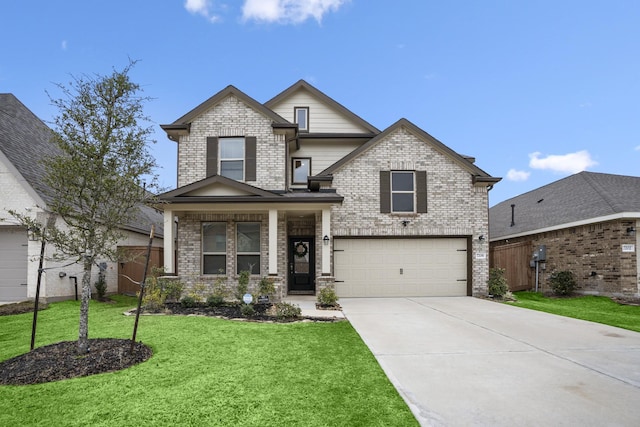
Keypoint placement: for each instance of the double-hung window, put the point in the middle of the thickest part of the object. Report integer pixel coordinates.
(403, 194)
(232, 158)
(301, 117)
(214, 248)
(248, 247)
(301, 167)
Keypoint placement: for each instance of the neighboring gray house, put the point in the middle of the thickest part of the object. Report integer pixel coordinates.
(304, 191)
(587, 222)
(24, 142)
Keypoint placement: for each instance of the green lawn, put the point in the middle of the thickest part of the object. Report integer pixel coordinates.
(205, 372)
(592, 308)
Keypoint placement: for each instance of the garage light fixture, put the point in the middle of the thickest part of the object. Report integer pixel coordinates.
(631, 231)
(325, 240)
(481, 237)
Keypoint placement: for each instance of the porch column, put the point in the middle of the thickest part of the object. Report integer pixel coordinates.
(273, 242)
(169, 242)
(326, 249)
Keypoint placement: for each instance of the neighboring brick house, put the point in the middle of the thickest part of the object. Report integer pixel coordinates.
(25, 141)
(587, 222)
(304, 191)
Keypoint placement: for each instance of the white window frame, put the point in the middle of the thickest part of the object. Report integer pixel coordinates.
(412, 192)
(243, 159)
(293, 169)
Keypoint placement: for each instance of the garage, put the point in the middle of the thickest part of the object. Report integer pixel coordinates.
(405, 267)
(13, 264)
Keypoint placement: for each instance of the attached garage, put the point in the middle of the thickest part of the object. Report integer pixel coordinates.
(13, 264)
(401, 267)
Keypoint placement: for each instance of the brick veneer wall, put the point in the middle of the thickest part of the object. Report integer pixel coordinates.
(231, 117)
(590, 248)
(455, 206)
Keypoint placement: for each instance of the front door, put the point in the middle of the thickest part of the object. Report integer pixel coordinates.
(302, 265)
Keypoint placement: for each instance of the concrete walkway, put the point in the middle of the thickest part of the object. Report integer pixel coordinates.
(307, 304)
(471, 362)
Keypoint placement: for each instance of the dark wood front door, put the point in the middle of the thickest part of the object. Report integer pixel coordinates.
(302, 265)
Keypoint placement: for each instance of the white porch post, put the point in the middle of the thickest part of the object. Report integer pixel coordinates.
(273, 241)
(169, 242)
(326, 249)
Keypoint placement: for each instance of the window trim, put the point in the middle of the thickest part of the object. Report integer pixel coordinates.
(295, 118)
(259, 253)
(413, 192)
(203, 253)
(233, 159)
(293, 159)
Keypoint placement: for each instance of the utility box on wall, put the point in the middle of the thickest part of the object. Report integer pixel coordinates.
(542, 253)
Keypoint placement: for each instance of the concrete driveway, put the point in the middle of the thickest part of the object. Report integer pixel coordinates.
(470, 362)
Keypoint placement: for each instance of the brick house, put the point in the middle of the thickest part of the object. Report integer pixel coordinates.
(586, 222)
(304, 191)
(25, 141)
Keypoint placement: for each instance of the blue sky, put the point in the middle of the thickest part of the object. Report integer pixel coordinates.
(534, 90)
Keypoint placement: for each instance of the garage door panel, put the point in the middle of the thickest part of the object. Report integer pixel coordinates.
(401, 267)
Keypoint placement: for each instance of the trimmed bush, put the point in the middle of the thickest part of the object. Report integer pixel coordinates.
(284, 310)
(247, 310)
(188, 301)
(562, 283)
(497, 284)
(327, 296)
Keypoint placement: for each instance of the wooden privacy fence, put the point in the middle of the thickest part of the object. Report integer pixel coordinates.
(514, 258)
(133, 267)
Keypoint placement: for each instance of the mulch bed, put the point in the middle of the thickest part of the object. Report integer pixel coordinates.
(61, 361)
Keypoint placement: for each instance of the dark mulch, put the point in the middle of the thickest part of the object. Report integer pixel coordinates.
(20, 307)
(61, 361)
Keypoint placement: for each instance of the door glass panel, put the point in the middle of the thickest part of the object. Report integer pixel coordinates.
(301, 256)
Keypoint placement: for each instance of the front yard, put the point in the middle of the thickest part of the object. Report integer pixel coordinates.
(205, 371)
(593, 308)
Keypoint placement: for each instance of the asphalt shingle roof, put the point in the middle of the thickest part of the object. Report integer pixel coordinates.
(26, 141)
(579, 197)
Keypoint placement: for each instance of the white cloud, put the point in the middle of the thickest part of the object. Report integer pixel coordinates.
(516, 175)
(288, 11)
(567, 163)
(201, 7)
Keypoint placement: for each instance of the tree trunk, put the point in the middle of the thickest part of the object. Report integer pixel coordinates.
(83, 329)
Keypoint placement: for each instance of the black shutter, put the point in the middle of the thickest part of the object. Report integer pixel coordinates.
(385, 192)
(421, 191)
(250, 158)
(212, 155)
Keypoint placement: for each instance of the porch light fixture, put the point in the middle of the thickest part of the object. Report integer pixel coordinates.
(404, 223)
(325, 240)
(481, 237)
(631, 231)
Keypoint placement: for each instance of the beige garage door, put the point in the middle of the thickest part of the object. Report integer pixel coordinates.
(13, 264)
(400, 267)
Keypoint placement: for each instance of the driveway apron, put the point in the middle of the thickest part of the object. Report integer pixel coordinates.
(465, 361)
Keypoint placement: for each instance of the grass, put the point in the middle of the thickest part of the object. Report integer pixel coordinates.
(205, 371)
(593, 308)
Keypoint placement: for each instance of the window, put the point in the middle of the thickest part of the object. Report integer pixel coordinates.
(232, 158)
(248, 247)
(301, 117)
(214, 248)
(402, 192)
(301, 167)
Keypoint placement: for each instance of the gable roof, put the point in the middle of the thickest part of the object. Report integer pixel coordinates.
(26, 141)
(184, 122)
(478, 174)
(583, 198)
(303, 85)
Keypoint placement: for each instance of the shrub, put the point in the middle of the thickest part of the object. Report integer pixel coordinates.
(171, 288)
(266, 286)
(215, 300)
(327, 296)
(101, 285)
(497, 284)
(198, 292)
(243, 284)
(219, 292)
(562, 283)
(188, 301)
(284, 310)
(153, 300)
(247, 310)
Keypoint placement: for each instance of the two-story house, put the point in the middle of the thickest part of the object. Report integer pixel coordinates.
(304, 191)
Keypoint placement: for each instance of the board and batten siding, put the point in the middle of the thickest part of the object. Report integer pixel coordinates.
(324, 153)
(322, 119)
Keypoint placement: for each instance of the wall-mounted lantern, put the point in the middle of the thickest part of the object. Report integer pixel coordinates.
(325, 240)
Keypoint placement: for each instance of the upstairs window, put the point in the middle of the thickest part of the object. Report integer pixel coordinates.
(403, 193)
(301, 117)
(301, 168)
(232, 158)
